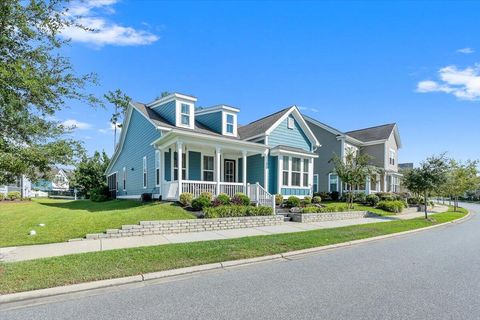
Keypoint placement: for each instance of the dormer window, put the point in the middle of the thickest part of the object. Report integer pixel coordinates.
(230, 123)
(185, 114)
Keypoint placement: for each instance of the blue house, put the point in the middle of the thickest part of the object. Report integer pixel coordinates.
(169, 146)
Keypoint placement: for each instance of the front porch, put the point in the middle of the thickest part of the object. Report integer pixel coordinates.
(197, 164)
(386, 182)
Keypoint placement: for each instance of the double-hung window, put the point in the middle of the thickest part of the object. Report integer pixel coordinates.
(145, 172)
(185, 114)
(157, 167)
(332, 182)
(207, 168)
(285, 171)
(296, 171)
(392, 157)
(229, 123)
(175, 166)
(306, 163)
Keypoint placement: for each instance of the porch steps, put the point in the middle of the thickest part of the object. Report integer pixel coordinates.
(284, 213)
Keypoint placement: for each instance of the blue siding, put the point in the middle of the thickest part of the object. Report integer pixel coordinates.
(255, 171)
(212, 120)
(194, 165)
(295, 192)
(167, 168)
(140, 134)
(295, 137)
(240, 169)
(167, 111)
(272, 174)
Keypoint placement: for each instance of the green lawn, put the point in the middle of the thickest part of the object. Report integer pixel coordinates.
(50, 272)
(65, 219)
(359, 207)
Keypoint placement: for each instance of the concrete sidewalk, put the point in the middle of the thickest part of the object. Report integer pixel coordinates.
(11, 254)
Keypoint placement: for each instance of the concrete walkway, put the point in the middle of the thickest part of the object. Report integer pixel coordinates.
(11, 254)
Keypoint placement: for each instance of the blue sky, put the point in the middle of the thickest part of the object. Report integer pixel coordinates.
(351, 64)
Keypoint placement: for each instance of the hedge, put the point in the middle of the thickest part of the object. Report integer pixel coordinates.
(236, 211)
(396, 206)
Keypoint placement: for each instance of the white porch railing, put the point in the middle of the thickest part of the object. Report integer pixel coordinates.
(231, 188)
(260, 196)
(197, 187)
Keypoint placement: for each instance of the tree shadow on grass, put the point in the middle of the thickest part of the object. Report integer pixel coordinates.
(87, 205)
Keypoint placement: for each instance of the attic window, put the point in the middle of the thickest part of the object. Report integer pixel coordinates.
(185, 114)
(290, 123)
(230, 123)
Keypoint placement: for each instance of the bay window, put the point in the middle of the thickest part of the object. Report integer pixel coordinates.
(306, 163)
(296, 171)
(285, 170)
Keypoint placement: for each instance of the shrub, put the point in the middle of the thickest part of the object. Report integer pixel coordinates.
(147, 197)
(311, 209)
(207, 195)
(240, 199)
(386, 196)
(186, 199)
(236, 211)
(292, 201)
(317, 199)
(391, 206)
(222, 199)
(372, 200)
(415, 201)
(334, 195)
(307, 200)
(278, 199)
(360, 197)
(14, 195)
(201, 202)
(98, 197)
(314, 209)
(2, 196)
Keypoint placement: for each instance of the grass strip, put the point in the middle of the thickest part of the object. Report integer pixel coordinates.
(71, 269)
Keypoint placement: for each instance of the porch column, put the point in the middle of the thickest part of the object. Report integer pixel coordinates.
(385, 187)
(310, 175)
(265, 167)
(244, 170)
(218, 155)
(280, 174)
(367, 185)
(180, 166)
(162, 170)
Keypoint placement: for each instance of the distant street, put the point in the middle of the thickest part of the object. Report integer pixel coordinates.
(428, 275)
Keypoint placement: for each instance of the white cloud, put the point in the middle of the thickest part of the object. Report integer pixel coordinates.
(105, 32)
(110, 129)
(462, 83)
(75, 124)
(466, 50)
(315, 110)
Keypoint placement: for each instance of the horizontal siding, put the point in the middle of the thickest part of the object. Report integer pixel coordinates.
(167, 111)
(295, 192)
(139, 135)
(255, 172)
(295, 137)
(212, 120)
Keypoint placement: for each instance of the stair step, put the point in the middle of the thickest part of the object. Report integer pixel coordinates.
(286, 219)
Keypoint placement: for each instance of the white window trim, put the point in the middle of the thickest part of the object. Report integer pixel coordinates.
(302, 172)
(394, 154)
(313, 183)
(124, 179)
(224, 124)
(144, 172)
(178, 111)
(291, 122)
(185, 151)
(203, 166)
(329, 179)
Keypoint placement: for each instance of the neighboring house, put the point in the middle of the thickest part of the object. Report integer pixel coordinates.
(22, 185)
(169, 146)
(381, 143)
(60, 181)
(405, 166)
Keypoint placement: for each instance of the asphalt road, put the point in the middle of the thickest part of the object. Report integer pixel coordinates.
(427, 275)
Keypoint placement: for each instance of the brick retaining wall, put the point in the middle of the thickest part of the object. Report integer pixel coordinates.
(184, 226)
(330, 216)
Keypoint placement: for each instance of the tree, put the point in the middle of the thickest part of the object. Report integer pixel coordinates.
(461, 178)
(36, 81)
(90, 173)
(430, 176)
(120, 102)
(353, 171)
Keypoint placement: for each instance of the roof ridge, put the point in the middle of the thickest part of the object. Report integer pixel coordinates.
(374, 127)
(267, 116)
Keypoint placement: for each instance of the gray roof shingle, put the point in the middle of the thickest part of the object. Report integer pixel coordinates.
(373, 133)
(260, 126)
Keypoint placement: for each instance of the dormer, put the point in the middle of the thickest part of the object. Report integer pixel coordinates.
(178, 109)
(222, 119)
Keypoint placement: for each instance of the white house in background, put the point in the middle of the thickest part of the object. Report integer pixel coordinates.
(22, 185)
(60, 181)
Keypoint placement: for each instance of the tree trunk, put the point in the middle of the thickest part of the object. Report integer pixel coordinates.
(426, 204)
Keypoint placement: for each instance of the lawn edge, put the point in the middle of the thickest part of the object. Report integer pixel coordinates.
(54, 291)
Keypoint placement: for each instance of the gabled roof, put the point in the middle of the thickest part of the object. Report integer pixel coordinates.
(261, 125)
(373, 133)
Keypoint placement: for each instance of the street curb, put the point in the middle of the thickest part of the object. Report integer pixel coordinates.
(43, 293)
